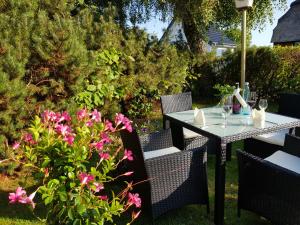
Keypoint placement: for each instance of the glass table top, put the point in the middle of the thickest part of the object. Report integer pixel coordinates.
(236, 124)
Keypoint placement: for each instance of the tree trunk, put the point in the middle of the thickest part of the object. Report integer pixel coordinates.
(194, 37)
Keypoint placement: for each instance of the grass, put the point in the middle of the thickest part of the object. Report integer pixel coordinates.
(189, 215)
(14, 214)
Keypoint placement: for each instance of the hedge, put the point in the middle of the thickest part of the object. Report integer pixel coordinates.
(269, 70)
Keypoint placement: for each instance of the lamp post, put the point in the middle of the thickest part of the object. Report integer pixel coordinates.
(243, 5)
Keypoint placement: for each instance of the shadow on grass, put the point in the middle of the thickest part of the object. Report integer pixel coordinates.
(17, 211)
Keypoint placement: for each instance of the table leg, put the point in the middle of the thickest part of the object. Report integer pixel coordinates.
(166, 123)
(220, 183)
(177, 135)
(228, 151)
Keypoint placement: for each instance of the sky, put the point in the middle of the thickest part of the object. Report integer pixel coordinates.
(263, 38)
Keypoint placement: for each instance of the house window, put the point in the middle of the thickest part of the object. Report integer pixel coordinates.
(220, 51)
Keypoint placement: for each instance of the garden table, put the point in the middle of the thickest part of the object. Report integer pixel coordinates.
(238, 127)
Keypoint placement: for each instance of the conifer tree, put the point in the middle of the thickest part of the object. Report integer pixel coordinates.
(59, 59)
(15, 30)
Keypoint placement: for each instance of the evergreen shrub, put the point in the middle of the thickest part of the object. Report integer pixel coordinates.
(55, 57)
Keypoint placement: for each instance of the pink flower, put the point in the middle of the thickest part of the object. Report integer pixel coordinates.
(121, 119)
(82, 114)
(109, 126)
(18, 196)
(134, 199)
(104, 155)
(49, 116)
(28, 138)
(128, 155)
(62, 129)
(46, 172)
(98, 187)
(96, 116)
(128, 173)
(128, 126)
(69, 139)
(21, 197)
(105, 138)
(65, 116)
(89, 123)
(85, 178)
(29, 200)
(103, 197)
(98, 145)
(15, 145)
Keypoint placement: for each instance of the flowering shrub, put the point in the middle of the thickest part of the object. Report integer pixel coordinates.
(73, 160)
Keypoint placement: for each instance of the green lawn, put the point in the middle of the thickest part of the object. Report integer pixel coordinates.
(189, 215)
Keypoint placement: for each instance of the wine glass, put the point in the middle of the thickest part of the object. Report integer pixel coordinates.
(263, 104)
(252, 99)
(227, 108)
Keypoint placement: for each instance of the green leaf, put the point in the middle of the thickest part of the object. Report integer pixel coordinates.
(46, 162)
(77, 222)
(81, 209)
(63, 196)
(48, 200)
(61, 212)
(71, 213)
(91, 87)
(72, 184)
(71, 175)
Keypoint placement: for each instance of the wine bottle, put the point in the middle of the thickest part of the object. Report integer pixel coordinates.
(236, 106)
(246, 92)
(246, 96)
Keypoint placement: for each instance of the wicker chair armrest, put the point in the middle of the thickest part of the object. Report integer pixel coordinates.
(259, 176)
(157, 140)
(176, 163)
(292, 145)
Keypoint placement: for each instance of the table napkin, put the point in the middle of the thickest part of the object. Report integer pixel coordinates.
(259, 118)
(239, 97)
(199, 117)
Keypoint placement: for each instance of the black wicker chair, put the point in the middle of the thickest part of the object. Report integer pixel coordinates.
(270, 143)
(268, 189)
(173, 178)
(183, 102)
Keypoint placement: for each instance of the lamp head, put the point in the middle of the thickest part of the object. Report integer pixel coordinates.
(243, 4)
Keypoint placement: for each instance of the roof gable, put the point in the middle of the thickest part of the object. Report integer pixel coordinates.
(214, 36)
(288, 26)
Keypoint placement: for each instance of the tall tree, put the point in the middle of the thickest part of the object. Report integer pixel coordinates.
(15, 31)
(198, 15)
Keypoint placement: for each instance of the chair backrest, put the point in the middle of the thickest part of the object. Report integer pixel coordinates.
(176, 103)
(289, 105)
(132, 142)
(292, 145)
